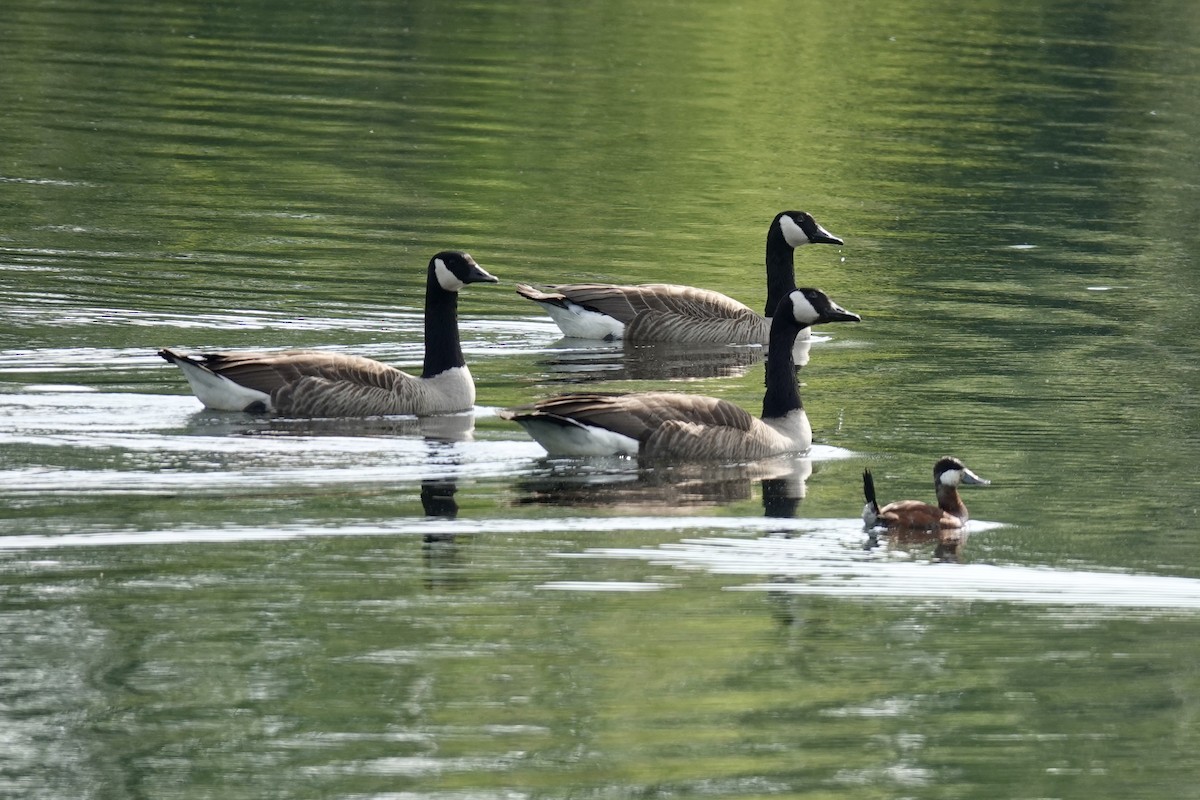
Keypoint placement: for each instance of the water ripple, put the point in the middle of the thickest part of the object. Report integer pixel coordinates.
(829, 559)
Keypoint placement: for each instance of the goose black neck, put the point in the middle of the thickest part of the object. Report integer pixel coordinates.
(781, 269)
(782, 394)
(443, 349)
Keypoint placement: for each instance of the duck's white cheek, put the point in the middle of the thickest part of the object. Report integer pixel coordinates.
(951, 477)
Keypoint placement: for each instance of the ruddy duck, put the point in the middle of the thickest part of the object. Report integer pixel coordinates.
(949, 513)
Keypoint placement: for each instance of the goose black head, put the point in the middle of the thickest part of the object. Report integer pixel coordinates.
(454, 269)
(813, 307)
(799, 227)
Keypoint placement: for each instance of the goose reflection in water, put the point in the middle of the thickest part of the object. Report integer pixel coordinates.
(439, 549)
(437, 499)
(781, 495)
(583, 361)
(663, 487)
(440, 428)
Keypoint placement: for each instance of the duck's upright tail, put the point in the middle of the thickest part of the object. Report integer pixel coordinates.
(870, 513)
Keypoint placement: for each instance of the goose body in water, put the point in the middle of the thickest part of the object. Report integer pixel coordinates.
(691, 427)
(663, 312)
(308, 383)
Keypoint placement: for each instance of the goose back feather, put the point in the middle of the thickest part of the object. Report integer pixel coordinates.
(660, 312)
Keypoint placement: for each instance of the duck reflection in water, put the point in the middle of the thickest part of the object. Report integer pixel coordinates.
(948, 545)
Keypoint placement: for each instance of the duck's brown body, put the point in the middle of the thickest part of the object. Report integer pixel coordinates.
(949, 513)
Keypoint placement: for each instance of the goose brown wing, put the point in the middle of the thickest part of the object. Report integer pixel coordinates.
(271, 372)
(690, 441)
(306, 383)
(317, 396)
(640, 414)
(626, 302)
(684, 328)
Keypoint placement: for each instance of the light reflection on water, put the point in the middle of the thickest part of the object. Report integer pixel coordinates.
(831, 557)
(827, 557)
(167, 445)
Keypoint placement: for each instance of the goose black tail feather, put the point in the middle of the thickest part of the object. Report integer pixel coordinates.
(173, 357)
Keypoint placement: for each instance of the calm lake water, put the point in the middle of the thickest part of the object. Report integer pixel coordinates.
(211, 605)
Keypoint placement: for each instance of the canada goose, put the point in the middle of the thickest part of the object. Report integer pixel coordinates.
(663, 312)
(307, 383)
(682, 426)
(949, 513)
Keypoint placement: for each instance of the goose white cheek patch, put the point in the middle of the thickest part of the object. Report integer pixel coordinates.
(792, 233)
(445, 278)
(803, 310)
